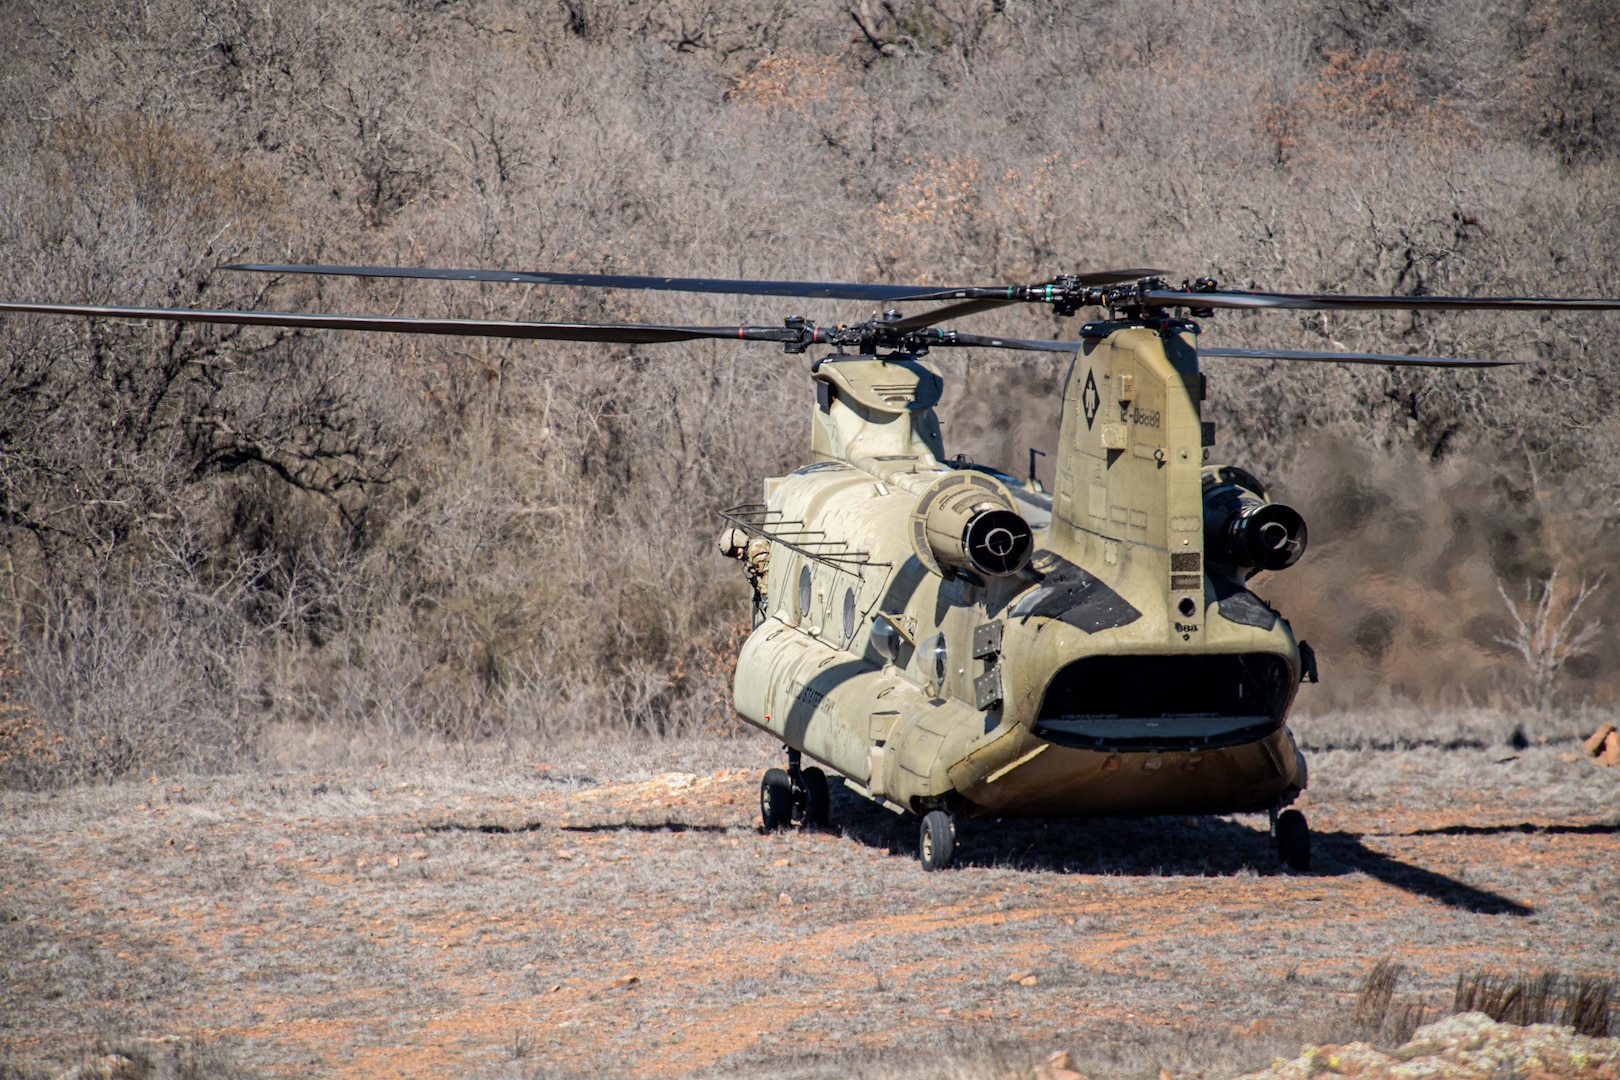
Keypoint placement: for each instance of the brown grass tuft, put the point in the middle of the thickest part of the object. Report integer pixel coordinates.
(1582, 1002)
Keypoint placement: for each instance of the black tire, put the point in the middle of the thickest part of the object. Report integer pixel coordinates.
(1293, 840)
(937, 845)
(775, 800)
(817, 805)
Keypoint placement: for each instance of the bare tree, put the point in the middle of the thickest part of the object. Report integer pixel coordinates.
(1548, 631)
(462, 540)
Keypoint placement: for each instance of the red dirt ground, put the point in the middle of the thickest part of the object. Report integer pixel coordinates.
(433, 923)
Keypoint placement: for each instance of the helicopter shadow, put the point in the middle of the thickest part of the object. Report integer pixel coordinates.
(1601, 828)
(1155, 847)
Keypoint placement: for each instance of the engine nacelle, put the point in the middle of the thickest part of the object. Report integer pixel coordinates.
(1243, 527)
(966, 521)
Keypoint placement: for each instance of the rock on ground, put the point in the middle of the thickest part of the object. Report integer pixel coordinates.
(1462, 1047)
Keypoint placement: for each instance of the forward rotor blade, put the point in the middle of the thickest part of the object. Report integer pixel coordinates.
(627, 333)
(822, 289)
(1355, 358)
(1333, 302)
(949, 311)
(832, 290)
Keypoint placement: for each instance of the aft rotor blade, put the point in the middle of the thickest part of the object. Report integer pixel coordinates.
(1396, 359)
(626, 333)
(979, 341)
(1253, 301)
(832, 290)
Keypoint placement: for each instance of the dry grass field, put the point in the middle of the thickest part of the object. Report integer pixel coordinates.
(617, 912)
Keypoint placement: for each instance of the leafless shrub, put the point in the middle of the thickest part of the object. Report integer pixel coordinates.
(1377, 990)
(123, 1057)
(1546, 633)
(1402, 1024)
(122, 679)
(1567, 88)
(1377, 1015)
(1583, 1002)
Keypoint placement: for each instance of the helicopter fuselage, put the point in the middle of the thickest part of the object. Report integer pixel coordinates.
(1123, 669)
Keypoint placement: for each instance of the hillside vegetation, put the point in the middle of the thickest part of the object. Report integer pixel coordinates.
(210, 534)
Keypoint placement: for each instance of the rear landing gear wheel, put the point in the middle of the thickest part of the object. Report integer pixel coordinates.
(776, 800)
(1293, 840)
(817, 805)
(937, 844)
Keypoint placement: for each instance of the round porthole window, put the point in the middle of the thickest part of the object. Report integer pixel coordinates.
(885, 638)
(849, 614)
(804, 593)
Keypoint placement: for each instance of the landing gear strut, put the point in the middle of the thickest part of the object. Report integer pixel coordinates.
(794, 792)
(1292, 837)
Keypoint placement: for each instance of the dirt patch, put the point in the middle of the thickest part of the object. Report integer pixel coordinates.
(526, 920)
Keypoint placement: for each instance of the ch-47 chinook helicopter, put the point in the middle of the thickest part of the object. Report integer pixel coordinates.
(960, 643)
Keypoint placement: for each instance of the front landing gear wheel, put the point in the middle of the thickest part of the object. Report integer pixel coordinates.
(1293, 840)
(776, 800)
(817, 805)
(937, 844)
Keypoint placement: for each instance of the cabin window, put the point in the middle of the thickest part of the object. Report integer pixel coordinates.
(932, 662)
(804, 593)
